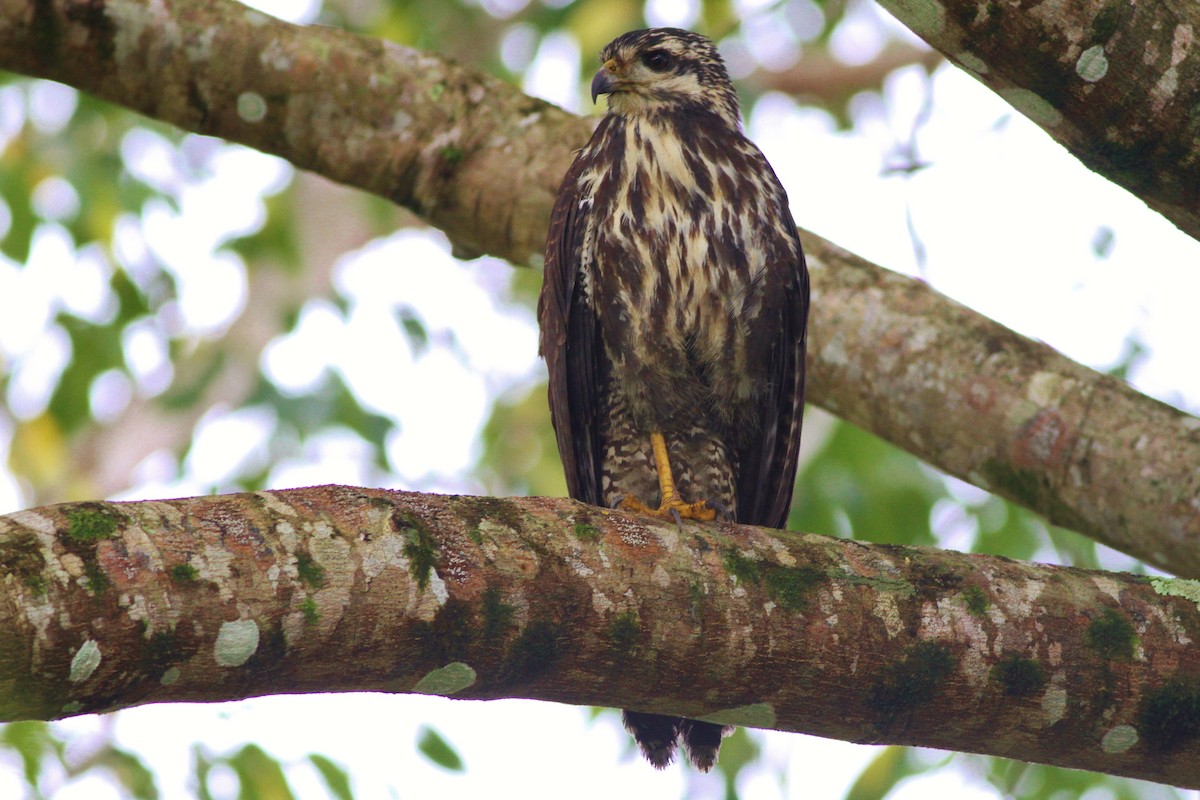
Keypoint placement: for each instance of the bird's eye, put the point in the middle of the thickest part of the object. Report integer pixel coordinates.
(658, 60)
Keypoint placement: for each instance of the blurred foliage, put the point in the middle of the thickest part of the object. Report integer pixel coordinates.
(433, 746)
(49, 765)
(70, 167)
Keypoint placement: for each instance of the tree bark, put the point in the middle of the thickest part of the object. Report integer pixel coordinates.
(482, 161)
(107, 605)
(1117, 84)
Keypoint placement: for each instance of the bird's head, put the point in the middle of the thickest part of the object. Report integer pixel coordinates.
(660, 69)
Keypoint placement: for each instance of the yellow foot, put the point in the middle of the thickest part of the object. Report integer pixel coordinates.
(671, 508)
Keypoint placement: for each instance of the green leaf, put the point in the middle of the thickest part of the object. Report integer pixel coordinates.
(261, 775)
(33, 741)
(334, 775)
(129, 772)
(878, 778)
(438, 750)
(202, 764)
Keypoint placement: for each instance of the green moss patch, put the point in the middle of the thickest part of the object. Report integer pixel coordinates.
(625, 632)
(1019, 677)
(420, 548)
(1169, 717)
(976, 601)
(497, 614)
(534, 651)
(789, 586)
(91, 522)
(586, 533)
(1110, 636)
(308, 607)
(744, 569)
(450, 635)
(911, 681)
(474, 510)
(21, 556)
(310, 572)
(184, 573)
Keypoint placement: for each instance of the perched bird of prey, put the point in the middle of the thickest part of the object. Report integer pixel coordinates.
(673, 313)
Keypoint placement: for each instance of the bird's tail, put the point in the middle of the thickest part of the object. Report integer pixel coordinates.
(657, 736)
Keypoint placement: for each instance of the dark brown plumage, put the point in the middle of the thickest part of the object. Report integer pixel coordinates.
(674, 303)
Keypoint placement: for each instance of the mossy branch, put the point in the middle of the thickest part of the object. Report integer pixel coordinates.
(327, 589)
(481, 161)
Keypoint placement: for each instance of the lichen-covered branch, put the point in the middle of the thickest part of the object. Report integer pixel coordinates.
(470, 154)
(1003, 411)
(1117, 84)
(106, 605)
(482, 161)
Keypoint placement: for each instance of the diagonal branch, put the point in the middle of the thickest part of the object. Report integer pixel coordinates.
(1117, 84)
(107, 605)
(481, 161)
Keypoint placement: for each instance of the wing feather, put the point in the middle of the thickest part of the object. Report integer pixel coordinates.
(768, 465)
(569, 341)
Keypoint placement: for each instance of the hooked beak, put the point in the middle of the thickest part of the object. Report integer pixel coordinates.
(605, 79)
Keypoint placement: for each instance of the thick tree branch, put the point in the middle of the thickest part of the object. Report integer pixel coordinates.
(1002, 411)
(482, 161)
(1117, 84)
(106, 605)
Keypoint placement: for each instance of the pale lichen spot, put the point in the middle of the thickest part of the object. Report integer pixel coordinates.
(236, 642)
(72, 707)
(277, 506)
(756, 715)
(438, 587)
(1092, 64)
(256, 18)
(86, 659)
(781, 553)
(1119, 739)
(600, 602)
(660, 576)
(1054, 654)
(130, 20)
(834, 352)
(1033, 106)
(1164, 90)
(275, 57)
(1110, 587)
(251, 107)
(199, 48)
(1048, 388)
(1054, 704)
(887, 611)
(447, 680)
(1178, 587)
(401, 120)
(170, 676)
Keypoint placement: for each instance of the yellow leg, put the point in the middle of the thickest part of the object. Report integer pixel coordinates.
(671, 505)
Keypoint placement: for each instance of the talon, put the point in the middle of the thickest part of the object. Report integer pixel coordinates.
(672, 506)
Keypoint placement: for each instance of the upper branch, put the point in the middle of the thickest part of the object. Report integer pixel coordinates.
(470, 154)
(105, 605)
(482, 161)
(1117, 84)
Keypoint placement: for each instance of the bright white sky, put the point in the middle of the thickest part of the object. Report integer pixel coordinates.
(1008, 219)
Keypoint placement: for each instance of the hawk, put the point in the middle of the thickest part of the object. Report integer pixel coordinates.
(673, 313)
